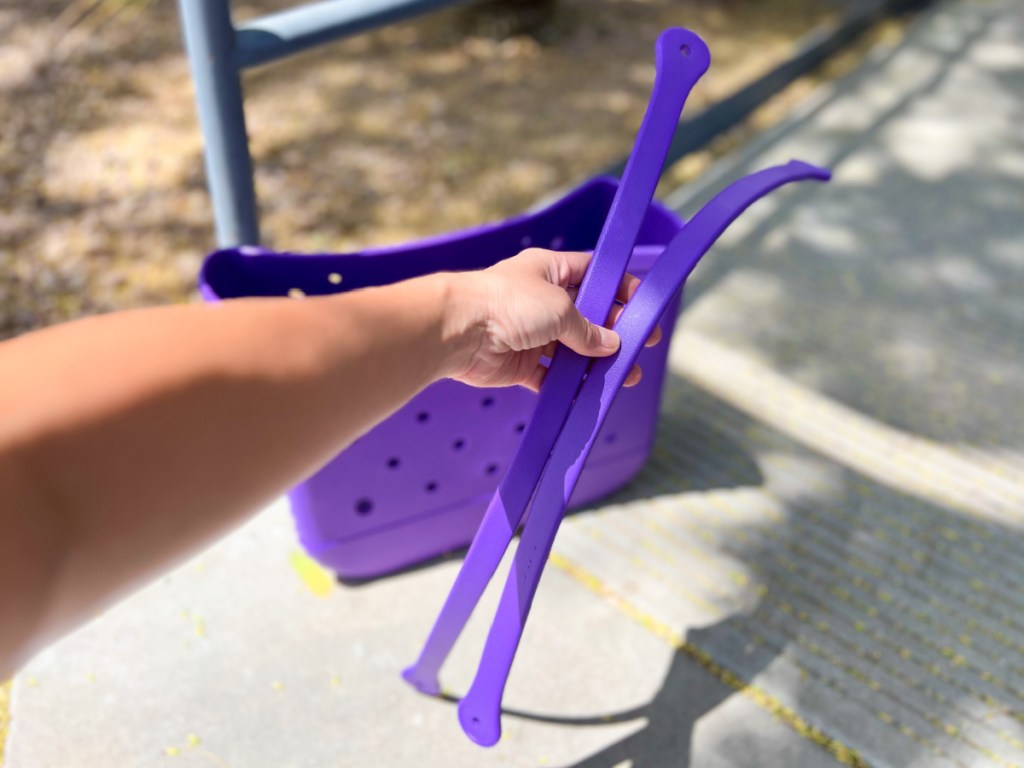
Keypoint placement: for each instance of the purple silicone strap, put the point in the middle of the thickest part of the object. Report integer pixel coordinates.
(681, 59)
(479, 711)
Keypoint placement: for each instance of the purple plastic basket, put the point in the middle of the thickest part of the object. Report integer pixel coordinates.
(416, 485)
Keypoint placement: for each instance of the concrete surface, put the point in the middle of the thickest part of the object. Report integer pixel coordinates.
(821, 563)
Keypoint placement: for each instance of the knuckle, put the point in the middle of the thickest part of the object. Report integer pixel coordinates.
(563, 303)
(568, 321)
(533, 254)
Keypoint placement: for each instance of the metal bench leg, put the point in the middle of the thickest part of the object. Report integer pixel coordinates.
(210, 41)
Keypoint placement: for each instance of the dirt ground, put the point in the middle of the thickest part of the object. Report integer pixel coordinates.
(445, 122)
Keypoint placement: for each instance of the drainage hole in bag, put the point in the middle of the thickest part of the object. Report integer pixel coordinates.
(431, 487)
(334, 278)
(364, 507)
(459, 444)
(394, 462)
(491, 469)
(423, 417)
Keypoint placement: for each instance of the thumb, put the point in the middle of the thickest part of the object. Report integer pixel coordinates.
(586, 338)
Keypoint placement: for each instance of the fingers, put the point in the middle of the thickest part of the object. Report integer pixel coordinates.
(583, 336)
(536, 378)
(613, 318)
(567, 269)
(625, 292)
(577, 267)
(634, 376)
(548, 350)
(574, 266)
(627, 288)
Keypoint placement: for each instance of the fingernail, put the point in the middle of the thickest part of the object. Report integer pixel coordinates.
(609, 338)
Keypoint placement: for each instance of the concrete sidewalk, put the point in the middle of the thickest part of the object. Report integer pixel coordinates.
(822, 563)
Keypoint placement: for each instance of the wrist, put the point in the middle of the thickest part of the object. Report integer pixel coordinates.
(463, 320)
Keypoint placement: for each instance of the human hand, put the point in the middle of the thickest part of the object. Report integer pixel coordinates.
(520, 309)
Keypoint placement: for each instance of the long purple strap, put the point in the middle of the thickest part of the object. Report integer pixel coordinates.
(479, 710)
(681, 59)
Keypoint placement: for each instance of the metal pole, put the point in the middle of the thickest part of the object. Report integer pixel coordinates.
(210, 42)
(293, 30)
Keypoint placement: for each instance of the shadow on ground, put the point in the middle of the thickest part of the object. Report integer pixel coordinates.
(903, 284)
(880, 626)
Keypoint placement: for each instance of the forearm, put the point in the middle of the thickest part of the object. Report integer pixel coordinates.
(128, 440)
(138, 436)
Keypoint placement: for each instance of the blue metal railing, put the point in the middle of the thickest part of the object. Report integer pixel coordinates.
(218, 52)
(282, 34)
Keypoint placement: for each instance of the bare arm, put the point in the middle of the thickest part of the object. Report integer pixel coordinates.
(128, 440)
